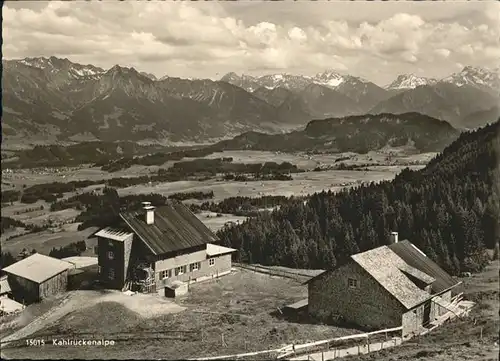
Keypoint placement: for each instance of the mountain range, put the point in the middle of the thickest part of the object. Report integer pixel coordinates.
(454, 98)
(55, 99)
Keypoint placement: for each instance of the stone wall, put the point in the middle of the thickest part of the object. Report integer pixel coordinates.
(368, 305)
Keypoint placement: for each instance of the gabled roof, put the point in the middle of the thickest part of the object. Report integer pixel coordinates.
(216, 250)
(38, 268)
(175, 228)
(384, 266)
(417, 259)
(411, 271)
(113, 233)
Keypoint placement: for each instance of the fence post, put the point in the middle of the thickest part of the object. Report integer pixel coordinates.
(322, 356)
(368, 343)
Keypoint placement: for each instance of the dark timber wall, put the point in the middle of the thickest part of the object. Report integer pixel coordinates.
(28, 291)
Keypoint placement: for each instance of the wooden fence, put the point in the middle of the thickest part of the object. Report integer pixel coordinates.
(300, 277)
(292, 349)
(306, 348)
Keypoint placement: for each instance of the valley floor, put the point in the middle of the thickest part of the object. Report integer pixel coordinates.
(65, 231)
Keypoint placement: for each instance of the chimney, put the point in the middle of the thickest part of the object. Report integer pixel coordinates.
(149, 212)
(394, 237)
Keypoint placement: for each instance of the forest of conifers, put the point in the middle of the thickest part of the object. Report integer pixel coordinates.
(450, 210)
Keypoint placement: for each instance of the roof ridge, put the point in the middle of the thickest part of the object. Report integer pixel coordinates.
(175, 228)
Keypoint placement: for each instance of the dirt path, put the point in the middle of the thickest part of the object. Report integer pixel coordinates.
(145, 305)
(40, 322)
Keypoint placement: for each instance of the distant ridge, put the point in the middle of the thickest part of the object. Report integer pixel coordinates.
(52, 100)
(353, 134)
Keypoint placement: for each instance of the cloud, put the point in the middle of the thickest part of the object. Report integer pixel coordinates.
(444, 53)
(203, 39)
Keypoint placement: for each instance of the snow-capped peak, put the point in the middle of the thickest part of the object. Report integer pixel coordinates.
(40, 63)
(55, 65)
(409, 81)
(475, 76)
(329, 78)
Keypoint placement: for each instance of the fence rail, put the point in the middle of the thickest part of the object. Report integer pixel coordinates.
(305, 348)
(300, 277)
(318, 345)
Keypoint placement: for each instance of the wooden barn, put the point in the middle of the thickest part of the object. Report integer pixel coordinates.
(148, 249)
(385, 287)
(37, 277)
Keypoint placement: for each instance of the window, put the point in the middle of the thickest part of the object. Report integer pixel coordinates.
(194, 266)
(352, 283)
(180, 270)
(110, 243)
(111, 255)
(99, 270)
(165, 274)
(111, 274)
(211, 261)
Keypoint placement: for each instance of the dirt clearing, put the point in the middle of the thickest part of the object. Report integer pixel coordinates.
(232, 314)
(215, 222)
(80, 303)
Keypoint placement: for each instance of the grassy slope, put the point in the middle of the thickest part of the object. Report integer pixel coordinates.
(237, 305)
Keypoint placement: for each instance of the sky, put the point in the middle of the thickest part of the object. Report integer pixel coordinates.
(374, 40)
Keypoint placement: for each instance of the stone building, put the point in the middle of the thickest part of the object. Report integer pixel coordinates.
(383, 288)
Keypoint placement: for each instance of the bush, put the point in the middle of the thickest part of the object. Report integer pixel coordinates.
(10, 196)
(496, 252)
(72, 249)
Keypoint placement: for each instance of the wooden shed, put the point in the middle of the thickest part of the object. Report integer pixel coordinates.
(84, 272)
(37, 277)
(176, 289)
(296, 310)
